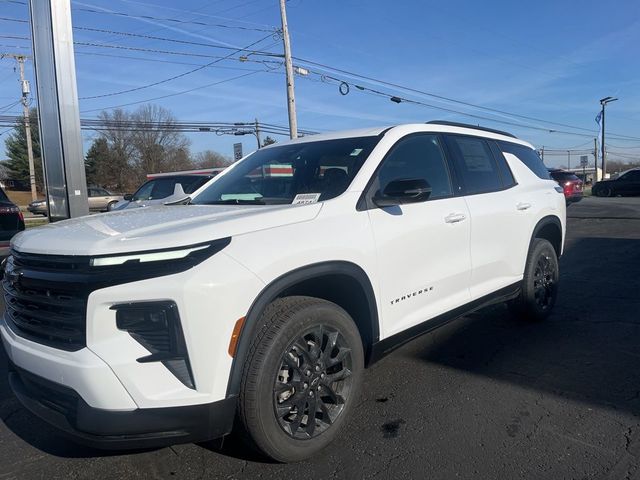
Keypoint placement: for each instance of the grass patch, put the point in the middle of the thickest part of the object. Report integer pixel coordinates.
(35, 223)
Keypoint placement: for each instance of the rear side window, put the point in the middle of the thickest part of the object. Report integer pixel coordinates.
(503, 167)
(528, 156)
(475, 164)
(3, 196)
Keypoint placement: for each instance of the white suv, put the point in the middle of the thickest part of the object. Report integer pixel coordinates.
(265, 298)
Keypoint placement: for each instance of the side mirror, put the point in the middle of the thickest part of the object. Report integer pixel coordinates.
(398, 192)
(128, 197)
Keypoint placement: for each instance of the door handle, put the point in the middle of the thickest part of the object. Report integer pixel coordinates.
(455, 217)
(523, 206)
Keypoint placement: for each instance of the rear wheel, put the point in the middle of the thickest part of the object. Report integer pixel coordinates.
(540, 282)
(301, 379)
(111, 206)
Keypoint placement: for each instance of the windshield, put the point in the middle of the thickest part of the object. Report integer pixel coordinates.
(296, 173)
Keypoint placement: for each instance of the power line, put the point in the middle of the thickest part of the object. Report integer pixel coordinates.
(452, 100)
(171, 94)
(171, 20)
(174, 77)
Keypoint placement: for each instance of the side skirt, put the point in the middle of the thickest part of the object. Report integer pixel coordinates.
(387, 345)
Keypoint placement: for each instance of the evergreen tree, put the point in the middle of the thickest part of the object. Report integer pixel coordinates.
(97, 161)
(16, 151)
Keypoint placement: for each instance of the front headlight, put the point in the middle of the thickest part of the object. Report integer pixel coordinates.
(158, 256)
(134, 266)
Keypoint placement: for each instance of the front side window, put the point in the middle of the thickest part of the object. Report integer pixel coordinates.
(296, 173)
(417, 157)
(144, 192)
(475, 163)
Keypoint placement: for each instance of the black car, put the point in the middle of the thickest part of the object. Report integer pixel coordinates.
(11, 222)
(627, 184)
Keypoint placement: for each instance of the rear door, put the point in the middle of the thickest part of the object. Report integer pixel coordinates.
(423, 248)
(499, 219)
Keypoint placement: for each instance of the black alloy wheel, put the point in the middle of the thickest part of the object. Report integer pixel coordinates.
(301, 378)
(313, 383)
(545, 282)
(539, 288)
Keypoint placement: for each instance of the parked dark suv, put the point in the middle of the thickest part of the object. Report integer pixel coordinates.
(626, 184)
(11, 222)
(570, 183)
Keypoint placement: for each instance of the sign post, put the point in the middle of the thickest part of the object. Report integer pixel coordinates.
(584, 160)
(237, 151)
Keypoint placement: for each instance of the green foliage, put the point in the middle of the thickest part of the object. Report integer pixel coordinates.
(16, 151)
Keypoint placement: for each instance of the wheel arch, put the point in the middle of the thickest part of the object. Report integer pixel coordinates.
(549, 228)
(343, 283)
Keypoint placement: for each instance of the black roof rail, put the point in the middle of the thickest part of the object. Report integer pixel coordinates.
(467, 125)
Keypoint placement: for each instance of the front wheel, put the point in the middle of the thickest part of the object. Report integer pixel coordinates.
(301, 379)
(540, 283)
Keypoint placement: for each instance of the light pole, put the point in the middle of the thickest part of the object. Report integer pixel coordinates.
(603, 102)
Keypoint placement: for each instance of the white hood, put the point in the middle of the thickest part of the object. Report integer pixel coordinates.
(157, 228)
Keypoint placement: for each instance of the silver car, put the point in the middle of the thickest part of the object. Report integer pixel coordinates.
(101, 200)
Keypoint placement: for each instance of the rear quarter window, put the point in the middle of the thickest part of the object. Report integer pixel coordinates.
(528, 156)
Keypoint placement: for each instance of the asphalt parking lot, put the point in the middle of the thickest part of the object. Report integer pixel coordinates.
(483, 397)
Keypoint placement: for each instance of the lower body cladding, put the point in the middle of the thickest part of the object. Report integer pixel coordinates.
(130, 387)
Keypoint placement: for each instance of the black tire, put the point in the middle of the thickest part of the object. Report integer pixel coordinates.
(110, 206)
(604, 192)
(280, 381)
(540, 283)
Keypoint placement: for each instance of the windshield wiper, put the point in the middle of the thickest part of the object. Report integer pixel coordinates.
(237, 201)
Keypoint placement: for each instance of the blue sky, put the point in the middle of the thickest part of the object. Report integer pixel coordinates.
(552, 60)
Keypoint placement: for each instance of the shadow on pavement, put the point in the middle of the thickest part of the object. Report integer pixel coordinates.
(588, 350)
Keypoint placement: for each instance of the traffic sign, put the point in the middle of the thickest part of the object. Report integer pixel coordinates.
(237, 151)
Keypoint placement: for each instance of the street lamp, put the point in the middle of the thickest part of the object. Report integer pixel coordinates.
(603, 102)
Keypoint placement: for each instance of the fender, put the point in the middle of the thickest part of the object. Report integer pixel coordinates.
(280, 285)
(545, 222)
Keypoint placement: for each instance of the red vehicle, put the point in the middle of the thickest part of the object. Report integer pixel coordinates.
(570, 183)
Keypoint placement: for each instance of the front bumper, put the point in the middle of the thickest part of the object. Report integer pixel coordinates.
(63, 408)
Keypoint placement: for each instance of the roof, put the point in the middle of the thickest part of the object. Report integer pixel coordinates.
(436, 126)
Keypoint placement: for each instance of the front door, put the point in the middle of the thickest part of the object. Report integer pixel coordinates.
(423, 248)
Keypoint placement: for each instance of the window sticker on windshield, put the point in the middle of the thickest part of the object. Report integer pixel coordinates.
(356, 152)
(305, 198)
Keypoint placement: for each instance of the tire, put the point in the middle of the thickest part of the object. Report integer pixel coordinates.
(540, 283)
(604, 192)
(110, 206)
(286, 374)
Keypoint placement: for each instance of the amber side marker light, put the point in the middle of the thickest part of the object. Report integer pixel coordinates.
(235, 336)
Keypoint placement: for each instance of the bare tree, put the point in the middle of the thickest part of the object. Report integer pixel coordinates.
(159, 146)
(210, 159)
(145, 141)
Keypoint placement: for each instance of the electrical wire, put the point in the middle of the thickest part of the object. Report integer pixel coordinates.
(174, 77)
(171, 94)
(171, 20)
(452, 100)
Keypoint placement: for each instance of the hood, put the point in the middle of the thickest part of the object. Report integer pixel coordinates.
(157, 227)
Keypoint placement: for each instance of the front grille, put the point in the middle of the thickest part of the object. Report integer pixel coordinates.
(46, 299)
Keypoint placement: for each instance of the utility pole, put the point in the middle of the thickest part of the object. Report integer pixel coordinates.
(595, 156)
(258, 133)
(569, 160)
(291, 98)
(603, 102)
(24, 86)
(542, 150)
